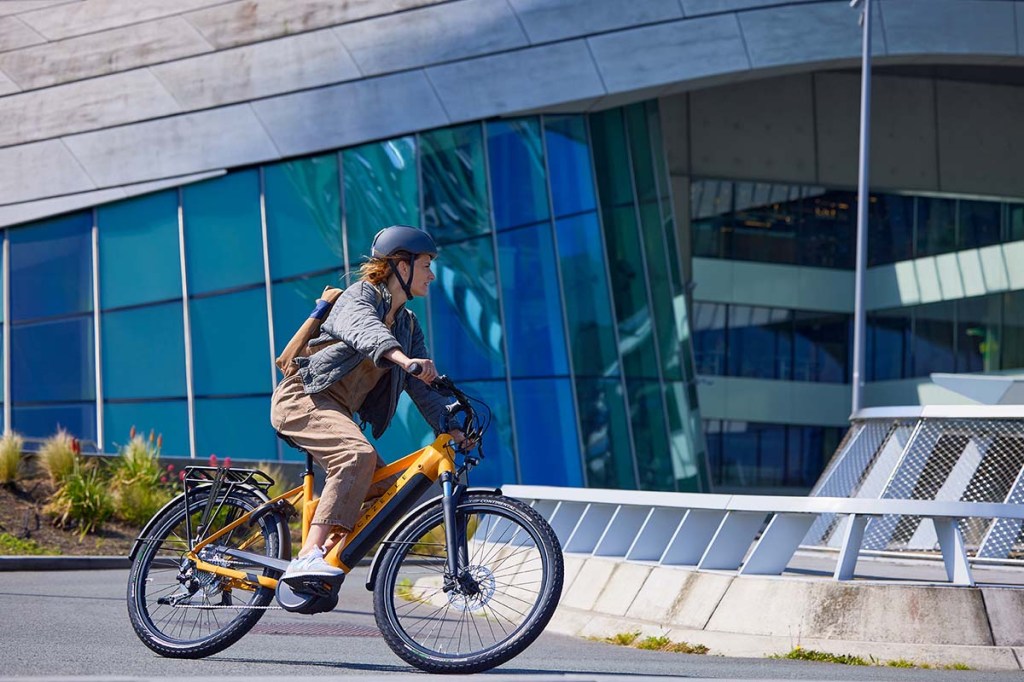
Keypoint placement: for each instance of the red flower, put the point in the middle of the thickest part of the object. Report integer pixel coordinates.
(170, 467)
(181, 475)
(163, 479)
(213, 460)
(227, 461)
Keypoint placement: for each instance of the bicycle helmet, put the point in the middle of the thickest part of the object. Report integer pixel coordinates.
(402, 241)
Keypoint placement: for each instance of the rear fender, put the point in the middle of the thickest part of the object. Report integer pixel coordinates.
(371, 577)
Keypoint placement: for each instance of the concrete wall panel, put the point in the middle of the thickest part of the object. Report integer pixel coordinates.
(18, 6)
(981, 140)
(14, 33)
(768, 284)
(246, 21)
(430, 35)
(693, 8)
(903, 132)
(341, 115)
(913, 26)
(760, 129)
(173, 146)
(773, 401)
(98, 54)
(7, 86)
(675, 131)
(40, 169)
(79, 18)
(77, 107)
(261, 70)
(516, 81)
(826, 32)
(666, 53)
(549, 20)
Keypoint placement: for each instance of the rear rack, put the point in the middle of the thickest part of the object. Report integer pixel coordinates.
(198, 475)
(216, 478)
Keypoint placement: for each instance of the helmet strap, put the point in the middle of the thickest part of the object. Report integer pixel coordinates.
(398, 275)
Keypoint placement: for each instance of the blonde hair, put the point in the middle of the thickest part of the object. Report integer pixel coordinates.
(376, 270)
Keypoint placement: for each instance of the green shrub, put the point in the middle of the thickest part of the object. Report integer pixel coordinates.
(138, 462)
(800, 654)
(11, 457)
(59, 456)
(139, 484)
(82, 500)
(12, 546)
(653, 643)
(137, 504)
(623, 638)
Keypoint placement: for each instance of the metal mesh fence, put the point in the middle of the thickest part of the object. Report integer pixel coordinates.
(970, 460)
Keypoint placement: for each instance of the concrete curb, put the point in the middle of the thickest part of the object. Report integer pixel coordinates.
(62, 563)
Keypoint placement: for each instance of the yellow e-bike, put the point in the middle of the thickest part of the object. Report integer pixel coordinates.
(461, 583)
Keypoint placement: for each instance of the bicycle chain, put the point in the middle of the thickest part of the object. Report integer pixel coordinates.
(237, 608)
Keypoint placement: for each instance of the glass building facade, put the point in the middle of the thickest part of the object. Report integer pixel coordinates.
(558, 299)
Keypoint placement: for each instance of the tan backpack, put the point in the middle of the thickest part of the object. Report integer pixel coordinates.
(299, 346)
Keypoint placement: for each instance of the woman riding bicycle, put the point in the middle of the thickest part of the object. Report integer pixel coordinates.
(372, 340)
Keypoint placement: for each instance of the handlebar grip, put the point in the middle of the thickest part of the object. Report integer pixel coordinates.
(415, 369)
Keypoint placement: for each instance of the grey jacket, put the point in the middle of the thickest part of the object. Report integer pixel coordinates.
(356, 323)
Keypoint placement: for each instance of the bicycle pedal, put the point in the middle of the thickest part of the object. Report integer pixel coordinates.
(321, 585)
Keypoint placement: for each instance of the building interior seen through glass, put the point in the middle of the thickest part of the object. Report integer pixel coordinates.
(558, 299)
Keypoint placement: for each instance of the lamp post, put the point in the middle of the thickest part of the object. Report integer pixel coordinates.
(862, 203)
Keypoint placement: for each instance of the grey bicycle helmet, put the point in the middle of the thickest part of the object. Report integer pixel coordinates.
(403, 241)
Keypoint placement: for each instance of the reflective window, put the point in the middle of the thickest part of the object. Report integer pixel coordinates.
(827, 229)
(571, 176)
(230, 345)
(821, 346)
(140, 260)
(43, 421)
(1013, 330)
(144, 352)
(936, 226)
(934, 338)
(166, 418)
(51, 267)
(464, 309)
(683, 434)
(545, 419)
(588, 308)
(303, 216)
(454, 183)
(890, 229)
(808, 450)
(533, 310)
(979, 223)
(1014, 222)
(293, 301)
(641, 152)
(977, 334)
(380, 190)
(238, 428)
(760, 342)
(754, 455)
(519, 192)
(709, 337)
(499, 465)
(223, 232)
(665, 307)
(604, 426)
(611, 158)
(650, 435)
(888, 345)
(710, 209)
(53, 361)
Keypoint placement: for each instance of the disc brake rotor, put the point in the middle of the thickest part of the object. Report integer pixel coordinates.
(485, 583)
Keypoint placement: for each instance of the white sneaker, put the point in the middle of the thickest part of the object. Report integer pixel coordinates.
(310, 566)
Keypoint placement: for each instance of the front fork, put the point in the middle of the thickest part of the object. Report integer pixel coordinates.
(455, 538)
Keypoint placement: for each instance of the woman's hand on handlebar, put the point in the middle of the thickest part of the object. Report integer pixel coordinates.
(460, 439)
(427, 372)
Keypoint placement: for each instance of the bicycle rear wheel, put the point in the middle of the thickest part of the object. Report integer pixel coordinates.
(179, 611)
(509, 587)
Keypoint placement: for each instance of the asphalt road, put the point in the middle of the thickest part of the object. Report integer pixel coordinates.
(75, 624)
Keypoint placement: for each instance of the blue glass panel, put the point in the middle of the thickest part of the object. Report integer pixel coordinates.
(570, 174)
(668, 310)
(934, 338)
(709, 337)
(650, 435)
(223, 234)
(979, 223)
(821, 346)
(518, 189)
(890, 229)
(53, 361)
(1012, 356)
(587, 302)
(605, 429)
(51, 267)
(611, 158)
(464, 308)
(936, 226)
(303, 216)
(230, 345)
(167, 418)
(293, 301)
(498, 466)
(407, 433)
(238, 428)
(140, 261)
(641, 152)
(888, 345)
(44, 421)
(549, 451)
(760, 342)
(685, 442)
(454, 183)
(533, 310)
(381, 189)
(144, 352)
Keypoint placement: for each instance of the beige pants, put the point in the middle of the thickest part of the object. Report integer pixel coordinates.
(325, 429)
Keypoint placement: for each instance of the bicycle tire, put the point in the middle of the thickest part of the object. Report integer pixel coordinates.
(510, 543)
(187, 627)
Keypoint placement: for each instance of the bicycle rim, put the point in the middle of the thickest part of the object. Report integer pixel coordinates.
(510, 567)
(184, 608)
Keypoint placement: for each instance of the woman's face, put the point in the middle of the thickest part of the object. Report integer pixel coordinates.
(422, 275)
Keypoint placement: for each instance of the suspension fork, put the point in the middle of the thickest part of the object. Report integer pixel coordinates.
(454, 531)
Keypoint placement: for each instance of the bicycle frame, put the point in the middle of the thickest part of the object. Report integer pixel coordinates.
(420, 470)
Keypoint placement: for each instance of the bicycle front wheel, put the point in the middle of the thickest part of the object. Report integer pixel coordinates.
(179, 611)
(507, 590)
